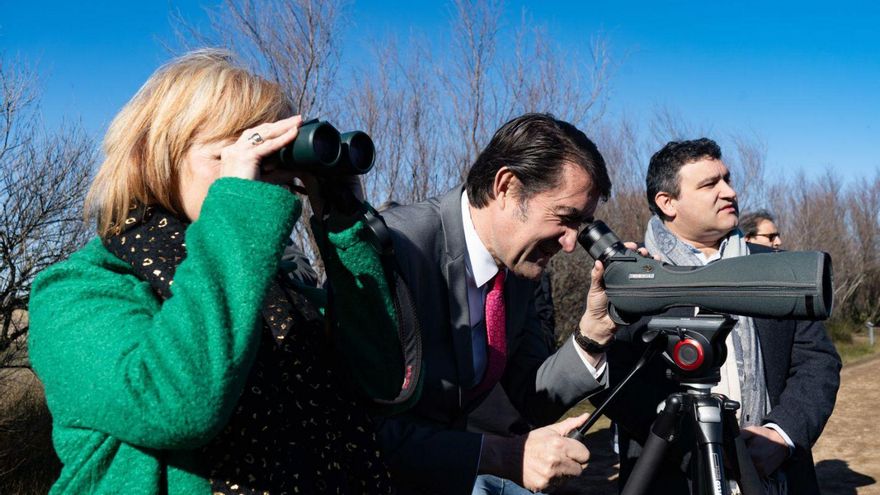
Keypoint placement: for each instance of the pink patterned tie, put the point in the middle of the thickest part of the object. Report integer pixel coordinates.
(496, 334)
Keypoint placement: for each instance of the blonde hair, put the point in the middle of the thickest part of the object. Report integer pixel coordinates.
(202, 94)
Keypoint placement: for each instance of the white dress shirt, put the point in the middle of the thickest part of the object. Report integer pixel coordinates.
(480, 270)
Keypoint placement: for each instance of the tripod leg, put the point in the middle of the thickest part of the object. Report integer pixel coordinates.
(709, 430)
(661, 435)
(710, 470)
(747, 475)
(749, 481)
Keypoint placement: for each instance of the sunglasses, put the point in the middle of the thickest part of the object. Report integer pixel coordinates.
(770, 237)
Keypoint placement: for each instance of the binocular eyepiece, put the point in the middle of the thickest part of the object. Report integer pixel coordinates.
(322, 150)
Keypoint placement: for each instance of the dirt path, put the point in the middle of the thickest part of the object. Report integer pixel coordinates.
(847, 455)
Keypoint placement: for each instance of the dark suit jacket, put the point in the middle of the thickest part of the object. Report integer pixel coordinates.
(428, 447)
(802, 372)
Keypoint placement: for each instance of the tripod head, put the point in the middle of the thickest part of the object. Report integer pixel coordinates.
(693, 348)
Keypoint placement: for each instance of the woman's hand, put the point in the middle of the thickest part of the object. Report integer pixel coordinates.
(253, 155)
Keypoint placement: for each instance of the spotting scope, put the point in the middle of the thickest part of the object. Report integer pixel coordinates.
(790, 285)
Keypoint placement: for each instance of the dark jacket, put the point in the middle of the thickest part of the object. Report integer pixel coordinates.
(428, 447)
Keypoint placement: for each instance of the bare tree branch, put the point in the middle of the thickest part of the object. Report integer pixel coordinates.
(43, 181)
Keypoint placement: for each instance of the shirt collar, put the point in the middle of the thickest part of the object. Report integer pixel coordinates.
(717, 255)
(479, 260)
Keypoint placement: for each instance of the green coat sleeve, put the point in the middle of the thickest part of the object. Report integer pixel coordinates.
(363, 312)
(162, 375)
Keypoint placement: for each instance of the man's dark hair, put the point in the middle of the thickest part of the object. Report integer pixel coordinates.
(534, 147)
(748, 223)
(665, 164)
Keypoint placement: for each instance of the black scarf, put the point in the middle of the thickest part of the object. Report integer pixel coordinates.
(296, 427)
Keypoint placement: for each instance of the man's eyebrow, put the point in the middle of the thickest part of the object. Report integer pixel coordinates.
(571, 213)
(567, 211)
(710, 180)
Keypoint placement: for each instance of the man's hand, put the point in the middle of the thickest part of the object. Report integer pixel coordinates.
(766, 447)
(551, 457)
(595, 322)
(543, 458)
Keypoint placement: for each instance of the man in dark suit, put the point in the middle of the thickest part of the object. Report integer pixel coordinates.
(528, 192)
(784, 373)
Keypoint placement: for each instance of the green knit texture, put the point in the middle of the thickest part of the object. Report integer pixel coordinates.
(365, 331)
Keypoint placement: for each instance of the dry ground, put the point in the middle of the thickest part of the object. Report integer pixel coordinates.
(847, 455)
(27, 462)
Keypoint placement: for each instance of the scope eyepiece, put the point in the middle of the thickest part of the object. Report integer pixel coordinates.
(601, 242)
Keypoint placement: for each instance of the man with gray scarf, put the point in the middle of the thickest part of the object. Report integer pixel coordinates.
(785, 374)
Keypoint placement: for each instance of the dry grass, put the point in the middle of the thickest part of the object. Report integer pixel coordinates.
(858, 350)
(28, 464)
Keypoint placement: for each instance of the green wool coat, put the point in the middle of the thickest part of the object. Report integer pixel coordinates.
(135, 385)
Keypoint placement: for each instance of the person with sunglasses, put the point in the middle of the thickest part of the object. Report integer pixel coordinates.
(759, 227)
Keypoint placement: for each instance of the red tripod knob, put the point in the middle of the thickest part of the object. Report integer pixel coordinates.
(688, 354)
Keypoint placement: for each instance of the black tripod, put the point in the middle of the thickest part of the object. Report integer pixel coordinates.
(694, 351)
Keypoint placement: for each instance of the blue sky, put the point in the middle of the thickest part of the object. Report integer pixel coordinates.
(799, 75)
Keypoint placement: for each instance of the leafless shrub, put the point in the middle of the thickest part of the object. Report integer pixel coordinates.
(398, 107)
(43, 180)
(486, 86)
(28, 464)
(294, 43)
(440, 110)
(668, 124)
(543, 77)
(863, 208)
(468, 81)
(747, 166)
(843, 220)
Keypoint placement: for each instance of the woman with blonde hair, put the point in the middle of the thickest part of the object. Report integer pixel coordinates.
(176, 356)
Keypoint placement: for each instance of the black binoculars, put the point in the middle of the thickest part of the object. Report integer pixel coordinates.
(322, 150)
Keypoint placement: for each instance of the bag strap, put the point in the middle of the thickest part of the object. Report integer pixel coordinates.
(409, 331)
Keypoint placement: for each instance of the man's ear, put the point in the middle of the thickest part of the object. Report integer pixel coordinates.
(666, 203)
(505, 187)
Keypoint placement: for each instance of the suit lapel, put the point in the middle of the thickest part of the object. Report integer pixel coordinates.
(455, 274)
